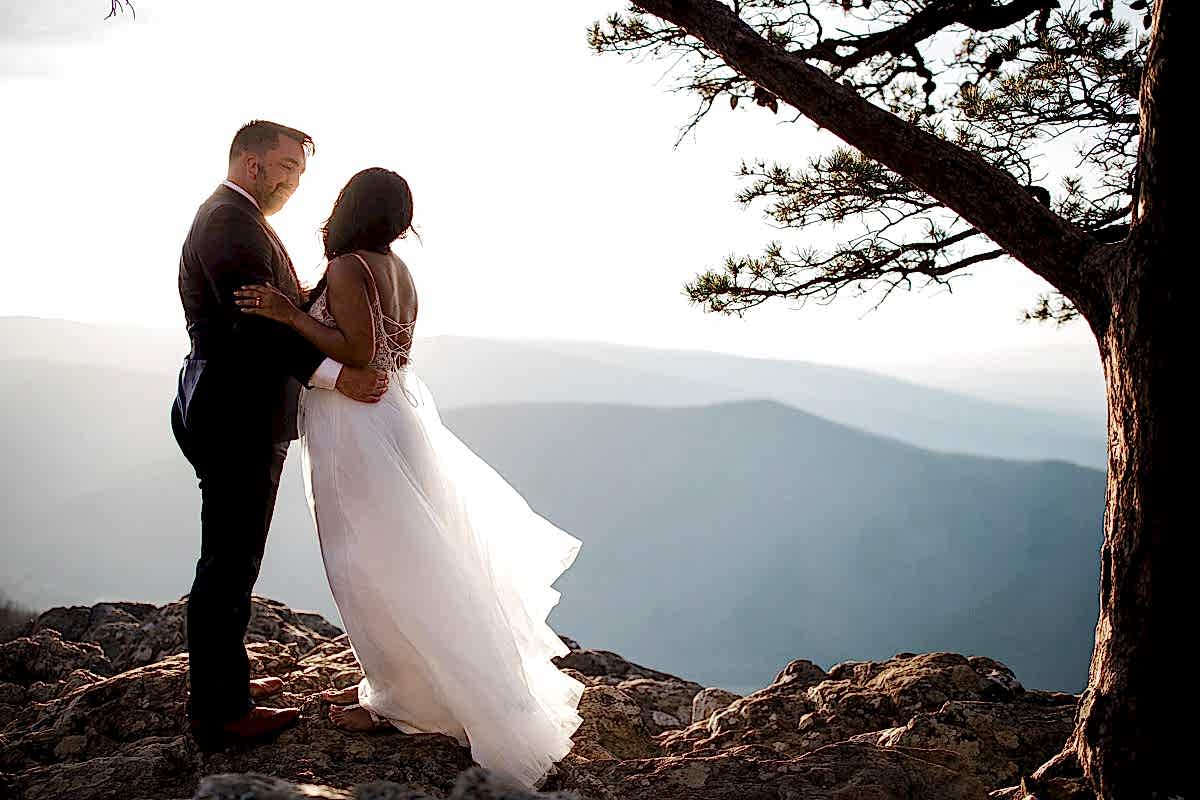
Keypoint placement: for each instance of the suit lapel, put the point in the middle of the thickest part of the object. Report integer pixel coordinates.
(286, 278)
(288, 281)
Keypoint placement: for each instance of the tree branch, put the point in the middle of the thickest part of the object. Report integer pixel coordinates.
(982, 195)
(119, 6)
(979, 16)
(862, 265)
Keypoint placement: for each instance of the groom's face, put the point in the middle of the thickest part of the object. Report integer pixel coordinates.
(278, 174)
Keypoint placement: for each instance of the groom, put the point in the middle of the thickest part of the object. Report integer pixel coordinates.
(235, 413)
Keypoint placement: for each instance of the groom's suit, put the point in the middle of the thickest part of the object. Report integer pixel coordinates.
(233, 417)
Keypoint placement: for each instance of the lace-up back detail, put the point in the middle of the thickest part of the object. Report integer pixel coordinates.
(393, 339)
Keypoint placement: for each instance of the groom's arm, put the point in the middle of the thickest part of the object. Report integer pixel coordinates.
(234, 251)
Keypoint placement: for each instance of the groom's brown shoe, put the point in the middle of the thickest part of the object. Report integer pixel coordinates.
(258, 723)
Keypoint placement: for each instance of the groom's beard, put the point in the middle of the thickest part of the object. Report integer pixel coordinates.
(270, 197)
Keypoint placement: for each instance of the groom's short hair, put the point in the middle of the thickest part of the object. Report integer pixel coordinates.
(261, 135)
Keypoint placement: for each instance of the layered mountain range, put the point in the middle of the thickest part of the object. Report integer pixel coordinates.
(734, 512)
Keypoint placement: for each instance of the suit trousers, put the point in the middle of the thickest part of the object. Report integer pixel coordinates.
(239, 480)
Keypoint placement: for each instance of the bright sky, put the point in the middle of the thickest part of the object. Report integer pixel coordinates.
(548, 195)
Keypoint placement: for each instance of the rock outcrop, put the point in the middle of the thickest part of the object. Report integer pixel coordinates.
(92, 706)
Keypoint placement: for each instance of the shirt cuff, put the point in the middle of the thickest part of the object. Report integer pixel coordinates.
(326, 375)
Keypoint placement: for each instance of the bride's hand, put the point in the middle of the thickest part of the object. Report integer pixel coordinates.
(265, 301)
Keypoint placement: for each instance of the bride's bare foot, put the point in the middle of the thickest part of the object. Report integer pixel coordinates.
(262, 688)
(341, 697)
(357, 719)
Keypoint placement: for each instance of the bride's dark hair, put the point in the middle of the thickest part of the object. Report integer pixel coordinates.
(374, 209)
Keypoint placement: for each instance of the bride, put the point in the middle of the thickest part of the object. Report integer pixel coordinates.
(441, 572)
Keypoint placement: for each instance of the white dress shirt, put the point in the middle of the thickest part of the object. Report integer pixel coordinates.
(327, 374)
(241, 191)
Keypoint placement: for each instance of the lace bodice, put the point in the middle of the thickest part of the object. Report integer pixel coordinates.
(393, 340)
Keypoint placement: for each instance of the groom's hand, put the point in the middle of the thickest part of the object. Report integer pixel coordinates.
(362, 384)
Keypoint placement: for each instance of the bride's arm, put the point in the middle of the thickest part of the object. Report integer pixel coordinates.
(349, 296)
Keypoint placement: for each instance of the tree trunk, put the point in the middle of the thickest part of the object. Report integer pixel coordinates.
(1130, 733)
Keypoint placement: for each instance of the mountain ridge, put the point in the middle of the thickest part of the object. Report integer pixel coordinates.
(470, 370)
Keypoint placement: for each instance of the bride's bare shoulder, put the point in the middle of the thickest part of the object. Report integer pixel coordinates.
(345, 270)
(399, 270)
(398, 263)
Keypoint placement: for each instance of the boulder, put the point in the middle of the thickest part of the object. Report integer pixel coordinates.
(136, 634)
(92, 705)
(844, 771)
(613, 726)
(665, 704)
(806, 708)
(46, 657)
(612, 667)
(1002, 742)
(709, 701)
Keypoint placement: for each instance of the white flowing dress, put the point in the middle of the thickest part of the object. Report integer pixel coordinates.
(440, 570)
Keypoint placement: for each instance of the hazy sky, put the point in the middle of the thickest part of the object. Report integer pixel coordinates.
(549, 198)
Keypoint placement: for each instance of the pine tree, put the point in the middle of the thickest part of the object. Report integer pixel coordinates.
(948, 109)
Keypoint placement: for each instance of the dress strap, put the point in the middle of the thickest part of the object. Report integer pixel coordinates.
(375, 294)
(370, 282)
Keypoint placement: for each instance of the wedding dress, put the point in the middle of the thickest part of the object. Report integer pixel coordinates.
(441, 572)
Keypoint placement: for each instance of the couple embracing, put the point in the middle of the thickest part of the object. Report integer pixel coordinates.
(441, 572)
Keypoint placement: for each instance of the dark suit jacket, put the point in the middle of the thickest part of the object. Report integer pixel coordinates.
(244, 373)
